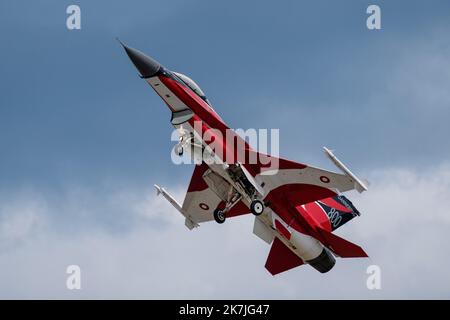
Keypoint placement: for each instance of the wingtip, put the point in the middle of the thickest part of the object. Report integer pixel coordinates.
(327, 151)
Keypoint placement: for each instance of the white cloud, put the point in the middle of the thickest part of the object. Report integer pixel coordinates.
(146, 205)
(404, 227)
(21, 219)
(404, 197)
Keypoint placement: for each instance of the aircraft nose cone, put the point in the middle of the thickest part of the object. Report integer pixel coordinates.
(146, 65)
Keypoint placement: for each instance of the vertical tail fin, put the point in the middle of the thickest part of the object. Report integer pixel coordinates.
(333, 212)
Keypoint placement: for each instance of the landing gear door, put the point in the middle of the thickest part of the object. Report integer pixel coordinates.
(253, 181)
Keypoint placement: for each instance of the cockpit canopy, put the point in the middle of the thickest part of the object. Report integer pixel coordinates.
(182, 116)
(193, 86)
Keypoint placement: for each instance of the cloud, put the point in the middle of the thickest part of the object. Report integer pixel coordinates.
(382, 93)
(404, 227)
(21, 219)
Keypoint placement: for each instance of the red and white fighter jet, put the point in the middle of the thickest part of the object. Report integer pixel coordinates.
(296, 206)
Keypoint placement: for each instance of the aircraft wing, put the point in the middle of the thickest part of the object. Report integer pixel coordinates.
(301, 184)
(200, 201)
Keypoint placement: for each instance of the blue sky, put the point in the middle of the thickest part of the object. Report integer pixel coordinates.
(83, 139)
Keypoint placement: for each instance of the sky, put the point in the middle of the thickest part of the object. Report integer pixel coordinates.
(83, 139)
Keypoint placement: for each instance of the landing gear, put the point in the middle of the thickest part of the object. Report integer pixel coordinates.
(186, 141)
(233, 197)
(179, 150)
(219, 216)
(257, 207)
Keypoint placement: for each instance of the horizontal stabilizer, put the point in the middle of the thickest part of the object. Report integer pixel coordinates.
(281, 258)
(342, 247)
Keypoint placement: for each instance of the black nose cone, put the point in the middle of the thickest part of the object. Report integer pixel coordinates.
(146, 65)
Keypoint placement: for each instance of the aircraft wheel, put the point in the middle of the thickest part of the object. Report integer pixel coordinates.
(179, 150)
(257, 207)
(219, 216)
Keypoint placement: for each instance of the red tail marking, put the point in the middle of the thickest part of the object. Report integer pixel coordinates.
(316, 212)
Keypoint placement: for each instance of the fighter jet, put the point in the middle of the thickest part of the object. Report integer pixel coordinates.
(297, 207)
